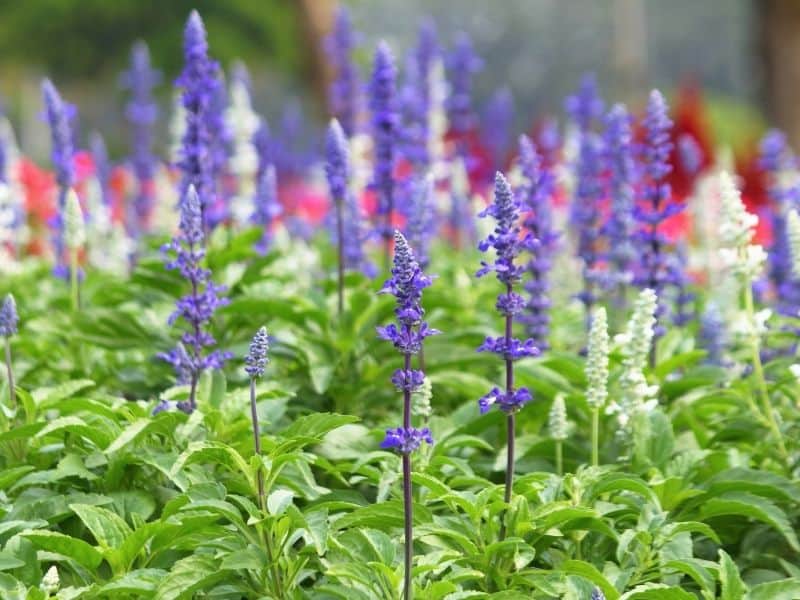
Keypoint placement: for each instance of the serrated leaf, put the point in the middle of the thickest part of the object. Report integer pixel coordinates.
(74, 548)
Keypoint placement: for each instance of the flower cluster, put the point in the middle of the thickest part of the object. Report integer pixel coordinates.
(597, 360)
(189, 358)
(142, 112)
(536, 195)
(242, 123)
(416, 97)
(585, 107)
(9, 320)
(200, 85)
(385, 122)
(744, 259)
(59, 114)
(462, 65)
(620, 226)
(257, 359)
(74, 225)
(406, 285)
(636, 395)
(266, 208)
(655, 271)
(337, 163)
(422, 224)
(345, 91)
(557, 419)
(507, 242)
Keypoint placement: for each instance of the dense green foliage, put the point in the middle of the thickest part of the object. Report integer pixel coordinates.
(699, 504)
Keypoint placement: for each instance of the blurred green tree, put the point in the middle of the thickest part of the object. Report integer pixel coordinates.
(82, 39)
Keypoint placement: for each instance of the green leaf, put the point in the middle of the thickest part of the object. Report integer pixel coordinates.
(785, 589)
(8, 561)
(189, 575)
(653, 439)
(657, 591)
(733, 587)
(316, 425)
(589, 572)
(107, 527)
(51, 395)
(82, 553)
(755, 507)
(140, 583)
(212, 453)
(278, 501)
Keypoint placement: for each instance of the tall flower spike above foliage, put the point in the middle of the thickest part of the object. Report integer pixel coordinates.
(242, 122)
(585, 107)
(597, 374)
(737, 227)
(385, 121)
(421, 225)
(267, 207)
(141, 111)
(535, 197)
(654, 270)
(498, 119)
(636, 394)
(462, 65)
(621, 225)
(9, 319)
(58, 115)
(778, 162)
(199, 83)
(195, 310)
(407, 335)
(793, 233)
(337, 171)
(257, 358)
(417, 97)
(345, 92)
(507, 242)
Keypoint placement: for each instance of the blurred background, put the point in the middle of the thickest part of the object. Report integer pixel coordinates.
(743, 55)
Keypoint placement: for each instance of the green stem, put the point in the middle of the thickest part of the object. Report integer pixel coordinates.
(758, 371)
(12, 394)
(595, 436)
(73, 279)
(559, 458)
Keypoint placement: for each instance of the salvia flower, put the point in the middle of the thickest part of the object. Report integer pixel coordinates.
(242, 122)
(585, 107)
(712, 335)
(9, 319)
(636, 395)
(58, 115)
(257, 359)
(345, 92)
(654, 269)
(462, 65)
(141, 111)
(793, 233)
(337, 163)
(597, 360)
(597, 594)
(74, 225)
(190, 358)
(690, 154)
(199, 83)
(737, 226)
(267, 207)
(621, 225)
(385, 121)
(498, 119)
(417, 96)
(508, 243)
(535, 196)
(421, 225)
(557, 419)
(407, 334)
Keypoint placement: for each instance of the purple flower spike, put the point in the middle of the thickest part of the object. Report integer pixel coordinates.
(59, 115)
(535, 198)
(195, 310)
(257, 359)
(141, 113)
(507, 402)
(9, 320)
(200, 83)
(267, 207)
(337, 164)
(690, 154)
(498, 118)
(385, 121)
(345, 93)
(655, 270)
(406, 440)
(462, 65)
(621, 225)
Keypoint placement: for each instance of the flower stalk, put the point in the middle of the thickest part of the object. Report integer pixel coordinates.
(9, 321)
(407, 336)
